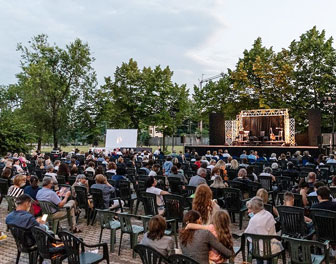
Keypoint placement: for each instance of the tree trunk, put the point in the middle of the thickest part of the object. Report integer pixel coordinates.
(39, 143)
(164, 142)
(54, 132)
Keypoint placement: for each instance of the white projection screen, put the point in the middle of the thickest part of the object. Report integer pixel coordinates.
(121, 138)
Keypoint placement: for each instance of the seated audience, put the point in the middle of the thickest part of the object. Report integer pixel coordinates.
(204, 204)
(316, 186)
(261, 223)
(151, 188)
(80, 181)
(16, 189)
(111, 168)
(108, 191)
(48, 195)
(167, 165)
(331, 160)
(323, 195)
(218, 182)
(154, 171)
(289, 201)
(174, 173)
(263, 194)
(33, 188)
(197, 243)
(156, 238)
(199, 178)
(120, 176)
(220, 228)
(303, 190)
(91, 167)
(242, 176)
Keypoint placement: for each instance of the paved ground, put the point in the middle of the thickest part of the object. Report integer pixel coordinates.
(90, 235)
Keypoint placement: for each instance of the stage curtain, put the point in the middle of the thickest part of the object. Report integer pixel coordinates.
(262, 123)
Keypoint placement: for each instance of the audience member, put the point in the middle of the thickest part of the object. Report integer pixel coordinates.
(33, 188)
(151, 188)
(156, 238)
(16, 189)
(323, 195)
(204, 204)
(197, 243)
(199, 178)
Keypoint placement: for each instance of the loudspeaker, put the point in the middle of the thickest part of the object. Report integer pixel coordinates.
(216, 129)
(314, 126)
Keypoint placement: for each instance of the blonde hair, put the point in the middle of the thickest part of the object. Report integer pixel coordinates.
(263, 194)
(18, 179)
(100, 178)
(234, 164)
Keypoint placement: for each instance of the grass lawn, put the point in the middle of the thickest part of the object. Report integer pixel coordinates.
(87, 147)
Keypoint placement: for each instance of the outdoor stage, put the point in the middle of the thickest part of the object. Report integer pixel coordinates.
(264, 130)
(268, 150)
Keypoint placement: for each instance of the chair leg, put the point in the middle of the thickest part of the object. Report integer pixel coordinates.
(101, 234)
(130, 203)
(88, 216)
(135, 242)
(121, 235)
(94, 214)
(240, 220)
(136, 207)
(18, 257)
(112, 239)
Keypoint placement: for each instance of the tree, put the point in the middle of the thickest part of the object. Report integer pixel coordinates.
(15, 134)
(52, 81)
(314, 60)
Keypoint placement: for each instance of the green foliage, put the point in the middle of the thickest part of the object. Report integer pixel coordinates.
(52, 81)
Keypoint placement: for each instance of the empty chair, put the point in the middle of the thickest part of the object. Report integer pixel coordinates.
(75, 249)
(324, 224)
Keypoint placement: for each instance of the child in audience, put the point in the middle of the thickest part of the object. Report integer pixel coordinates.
(220, 228)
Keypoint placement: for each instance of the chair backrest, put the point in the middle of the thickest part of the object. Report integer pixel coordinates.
(266, 182)
(216, 192)
(181, 259)
(48, 207)
(82, 197)
(73, 246)
(240, 184)
(292, 221)
(97, 198)
(300, 250)
(175, 185)
(106, 218)
(3, 186)
(333, 191)
(297, 199)
(325, 224)
(174, 206)
(233, 199)
(312, 200)
(283, 182)
(23, 238)
(260, 246)
(125, 223)
(72, 180)
(60, 179)
(149, 255)
(125, 190)
(149, 203)
(253, 187)
(189, 190)
(43, 241)
(11, 203)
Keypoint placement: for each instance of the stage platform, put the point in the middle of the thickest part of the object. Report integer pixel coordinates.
(268, 150)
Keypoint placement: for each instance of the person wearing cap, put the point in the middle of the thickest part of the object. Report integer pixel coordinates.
(48, 195)
(50, 173)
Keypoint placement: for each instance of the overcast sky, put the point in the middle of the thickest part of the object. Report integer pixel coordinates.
(193, 37)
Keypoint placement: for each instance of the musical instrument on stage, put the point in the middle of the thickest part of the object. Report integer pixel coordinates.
(272, 136)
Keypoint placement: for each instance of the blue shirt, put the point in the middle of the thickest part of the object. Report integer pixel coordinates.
(32, 192)
(118, 178)
(21, 219)
(167, 166)
(48, 195)
(107, 190)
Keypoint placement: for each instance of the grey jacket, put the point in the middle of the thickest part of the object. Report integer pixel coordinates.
(199, 247)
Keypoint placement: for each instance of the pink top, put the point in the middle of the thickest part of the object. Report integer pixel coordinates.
(213, 254)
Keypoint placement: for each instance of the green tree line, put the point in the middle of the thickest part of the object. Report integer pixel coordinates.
(57, 97)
